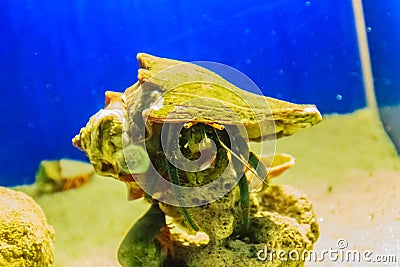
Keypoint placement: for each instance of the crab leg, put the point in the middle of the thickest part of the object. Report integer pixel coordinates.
(259, 168)
(245, 203)
(261, 171)
(173, 174)
(244, 189)
(251, 165)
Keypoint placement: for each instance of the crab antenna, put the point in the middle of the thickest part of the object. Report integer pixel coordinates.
(246, 164)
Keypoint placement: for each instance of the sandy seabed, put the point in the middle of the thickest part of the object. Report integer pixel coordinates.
(346, 165)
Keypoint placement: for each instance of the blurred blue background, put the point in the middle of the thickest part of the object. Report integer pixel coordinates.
(59, 57)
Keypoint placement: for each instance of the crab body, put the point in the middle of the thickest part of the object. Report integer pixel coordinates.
(180, 114)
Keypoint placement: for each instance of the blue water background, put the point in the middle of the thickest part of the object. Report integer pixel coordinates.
(58, 58)
(383, 23)
(383, 27)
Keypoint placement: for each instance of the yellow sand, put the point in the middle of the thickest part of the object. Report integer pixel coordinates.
(351, 171)
(346, 165)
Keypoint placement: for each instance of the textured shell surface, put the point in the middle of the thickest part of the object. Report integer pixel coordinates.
(171, 91)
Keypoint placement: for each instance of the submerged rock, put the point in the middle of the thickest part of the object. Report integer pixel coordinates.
(281, 233)
(26, 238)
(61, 175)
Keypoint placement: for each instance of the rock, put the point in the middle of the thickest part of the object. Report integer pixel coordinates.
(61, 175)
(215, 219)
(26, 238)
(284, 222)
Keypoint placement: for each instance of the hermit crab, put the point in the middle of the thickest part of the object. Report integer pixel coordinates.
(180, 137)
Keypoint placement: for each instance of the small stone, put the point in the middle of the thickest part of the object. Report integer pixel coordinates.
(61, 175)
